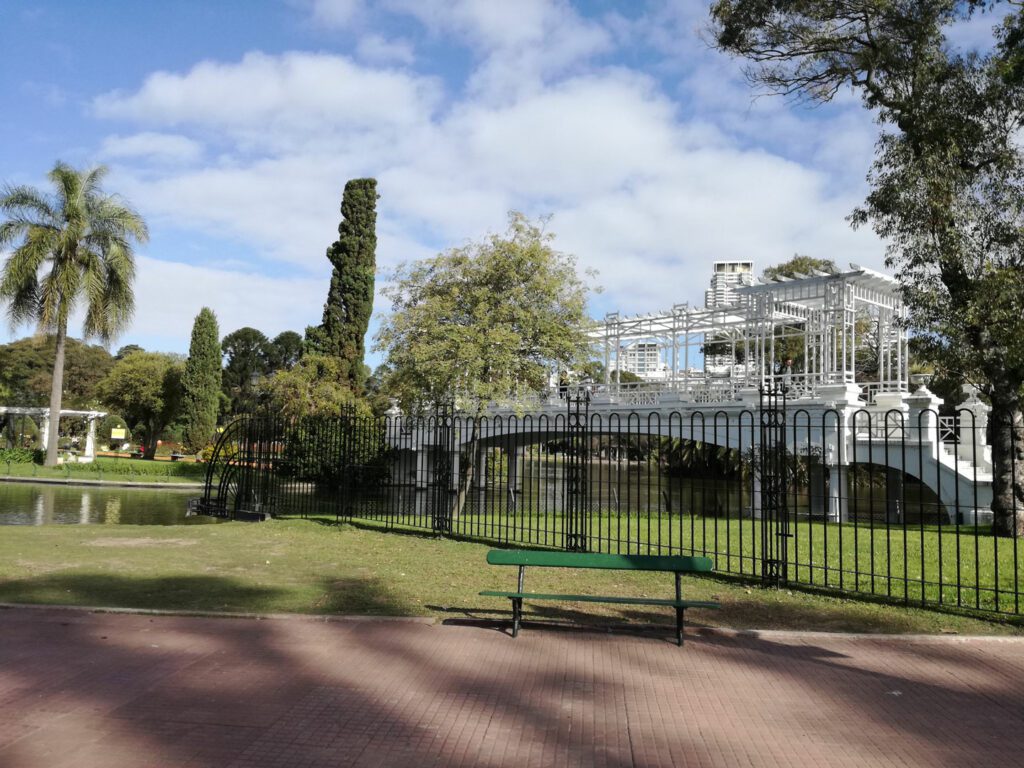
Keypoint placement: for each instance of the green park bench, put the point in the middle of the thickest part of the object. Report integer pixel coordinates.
(550, 559)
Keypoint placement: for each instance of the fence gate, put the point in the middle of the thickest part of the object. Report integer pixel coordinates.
(577, 488)
(440, 485)
(773, 466)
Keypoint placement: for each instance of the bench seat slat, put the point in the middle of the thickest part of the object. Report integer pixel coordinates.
(604, 599)
(555, 559)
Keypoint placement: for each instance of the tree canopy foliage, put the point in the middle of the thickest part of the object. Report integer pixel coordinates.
(350, 297)
(72, 246)
(314, 386)
(800, 266)
(483, 321)
(284, 351)
(145, 388)
(245, 361)
(947, 184)
(201, 386)
(26, 371)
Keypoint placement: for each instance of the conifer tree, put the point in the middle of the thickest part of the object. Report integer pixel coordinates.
(350, 298)
(201, 382)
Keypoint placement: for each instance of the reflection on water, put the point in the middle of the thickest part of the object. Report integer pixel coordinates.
(42, 504)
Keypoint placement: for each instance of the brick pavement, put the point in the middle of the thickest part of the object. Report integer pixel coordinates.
(99, 689)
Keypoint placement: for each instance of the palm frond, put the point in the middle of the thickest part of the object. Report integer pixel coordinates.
(28, 203)
(86, 237)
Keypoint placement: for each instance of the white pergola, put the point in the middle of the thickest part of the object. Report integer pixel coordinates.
(834, 317)
(42, 414)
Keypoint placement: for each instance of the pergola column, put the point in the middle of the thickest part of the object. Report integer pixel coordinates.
(90, 441)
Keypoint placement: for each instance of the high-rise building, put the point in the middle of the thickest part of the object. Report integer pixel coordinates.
(642, 358)
(726, 278)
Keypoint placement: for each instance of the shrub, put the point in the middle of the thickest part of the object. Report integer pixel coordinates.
(21, 456)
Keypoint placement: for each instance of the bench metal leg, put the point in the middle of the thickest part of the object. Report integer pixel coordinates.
(517, 612)
(679, 611)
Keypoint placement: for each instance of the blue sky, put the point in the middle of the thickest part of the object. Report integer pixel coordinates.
(233, 126)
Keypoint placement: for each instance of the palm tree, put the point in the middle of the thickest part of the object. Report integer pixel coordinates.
(69, 247)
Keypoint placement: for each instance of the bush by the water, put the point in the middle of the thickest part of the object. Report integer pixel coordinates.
(140, 468)
(20, 456)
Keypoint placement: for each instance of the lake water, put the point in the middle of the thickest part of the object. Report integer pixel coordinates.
(43, 504)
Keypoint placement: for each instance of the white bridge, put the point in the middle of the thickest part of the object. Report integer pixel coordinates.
(898, 431)
(835, 344)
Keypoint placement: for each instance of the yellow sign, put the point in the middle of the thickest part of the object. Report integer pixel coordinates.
(117, 433)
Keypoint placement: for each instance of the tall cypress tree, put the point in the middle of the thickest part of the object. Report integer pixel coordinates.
(350, 298)
(201, 382)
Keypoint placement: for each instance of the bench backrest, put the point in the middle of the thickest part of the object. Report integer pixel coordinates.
(554, 559)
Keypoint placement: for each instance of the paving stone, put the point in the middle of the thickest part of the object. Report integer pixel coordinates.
(88, 689)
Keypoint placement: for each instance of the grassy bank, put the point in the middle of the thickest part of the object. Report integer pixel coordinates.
(305, 566)
(112, 470)
(954, 565)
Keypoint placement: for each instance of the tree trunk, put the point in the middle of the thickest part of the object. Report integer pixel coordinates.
(149, 446)
(56, 394)
(466, 471)
(1007, 423)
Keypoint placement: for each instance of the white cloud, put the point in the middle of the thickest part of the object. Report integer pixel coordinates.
(522, 44)
(651, 175)
(377, 49)
(262, 99)
(169, 294)
(336, 13)
(164, 147)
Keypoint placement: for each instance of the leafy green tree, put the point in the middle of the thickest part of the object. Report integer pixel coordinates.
(479, 323)
(201, 382)
(73, 245)
(947, 184)
(800, 266)
(246, 353)
(284, 351)
(26, 371)
(378, 390)
(789, 342)
(126, 350)
(350, 298)
(145, 388)
(314, 386)
(624, 377)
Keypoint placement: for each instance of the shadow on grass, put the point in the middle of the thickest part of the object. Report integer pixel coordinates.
(107, 590)
(196, 593)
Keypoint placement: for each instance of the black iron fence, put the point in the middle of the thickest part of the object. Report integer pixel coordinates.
(886, 503)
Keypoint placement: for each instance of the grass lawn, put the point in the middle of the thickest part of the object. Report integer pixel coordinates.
(112, 469)
(309, 566)
(907, 562)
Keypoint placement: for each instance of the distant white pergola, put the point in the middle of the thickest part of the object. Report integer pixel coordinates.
(42, 415)
(835, 317)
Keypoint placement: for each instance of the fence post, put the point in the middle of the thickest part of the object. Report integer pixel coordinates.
(577, 483)
(774, 469)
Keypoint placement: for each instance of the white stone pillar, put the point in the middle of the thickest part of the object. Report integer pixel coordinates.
(422, 468)
(755, 493)
(973, 445)
(923, 418)
(90, 442)
(838, 495)
(480, 470)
